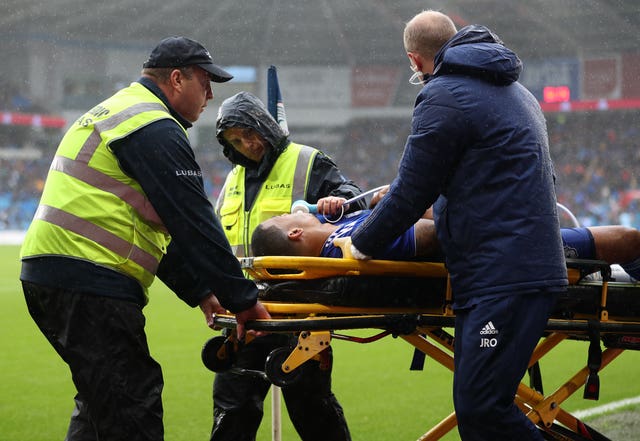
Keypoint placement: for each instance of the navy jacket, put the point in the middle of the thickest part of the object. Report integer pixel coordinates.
(479, 147)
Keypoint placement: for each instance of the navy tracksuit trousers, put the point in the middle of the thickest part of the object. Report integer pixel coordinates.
(494, 339)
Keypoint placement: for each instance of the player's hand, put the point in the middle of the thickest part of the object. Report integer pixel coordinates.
(377, 196)
(331, 205)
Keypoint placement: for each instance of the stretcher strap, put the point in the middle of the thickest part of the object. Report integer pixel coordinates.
(594, 361)
(535, 378)
(417, 362)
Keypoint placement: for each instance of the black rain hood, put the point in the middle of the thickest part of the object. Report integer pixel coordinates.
(478, 52)
(247, 111)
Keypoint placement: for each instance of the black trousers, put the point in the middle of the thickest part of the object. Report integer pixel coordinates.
(238, 399)
(118, 384)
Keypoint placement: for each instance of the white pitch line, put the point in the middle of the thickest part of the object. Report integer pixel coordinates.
(605, 408)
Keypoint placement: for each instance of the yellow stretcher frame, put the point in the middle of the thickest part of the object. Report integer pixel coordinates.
(314, 323)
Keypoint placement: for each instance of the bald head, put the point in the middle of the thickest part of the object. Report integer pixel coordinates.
(427, 32)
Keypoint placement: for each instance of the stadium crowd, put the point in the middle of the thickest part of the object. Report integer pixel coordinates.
(595, 155)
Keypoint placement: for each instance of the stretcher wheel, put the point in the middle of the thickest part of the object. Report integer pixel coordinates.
(216, 354)
(275, 373)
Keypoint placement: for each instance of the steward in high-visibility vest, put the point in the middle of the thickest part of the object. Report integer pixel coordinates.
(257, 190)
(90, 208)
(96, 229)
(124, 202)
(269, 174)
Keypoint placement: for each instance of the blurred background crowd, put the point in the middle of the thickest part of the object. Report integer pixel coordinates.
(596, 156)
(343, 73)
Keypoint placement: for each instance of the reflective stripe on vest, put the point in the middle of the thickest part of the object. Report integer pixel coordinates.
(301, 176)
(99, 235)
(90, 208)
(300, 180)
(93, 141)
(84, 173)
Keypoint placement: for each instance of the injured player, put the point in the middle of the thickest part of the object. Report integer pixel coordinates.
(306, 234)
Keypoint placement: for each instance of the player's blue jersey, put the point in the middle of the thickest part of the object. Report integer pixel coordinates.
(578, 243)
(402, 248)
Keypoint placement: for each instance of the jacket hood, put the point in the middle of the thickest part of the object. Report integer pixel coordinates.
(478, 52)
(247, 111)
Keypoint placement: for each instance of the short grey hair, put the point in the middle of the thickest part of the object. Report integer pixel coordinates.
(427, 32)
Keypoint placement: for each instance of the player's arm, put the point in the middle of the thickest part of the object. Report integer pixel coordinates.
(427, 244)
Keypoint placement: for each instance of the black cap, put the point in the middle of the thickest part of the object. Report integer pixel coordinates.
(183, 51)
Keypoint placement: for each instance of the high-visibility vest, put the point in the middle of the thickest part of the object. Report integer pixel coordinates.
(90, 209)
(286, 183)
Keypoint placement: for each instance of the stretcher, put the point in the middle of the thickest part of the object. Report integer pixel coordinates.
(313, 297)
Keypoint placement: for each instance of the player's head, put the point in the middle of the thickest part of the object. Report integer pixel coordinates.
(284, 235)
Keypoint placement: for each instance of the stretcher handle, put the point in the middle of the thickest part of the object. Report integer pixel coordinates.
(344, 243)
(296, 267)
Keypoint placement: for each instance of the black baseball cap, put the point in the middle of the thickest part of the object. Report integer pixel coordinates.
(183, 51)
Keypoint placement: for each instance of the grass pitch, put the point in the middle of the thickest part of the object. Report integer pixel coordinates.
(382, 399)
